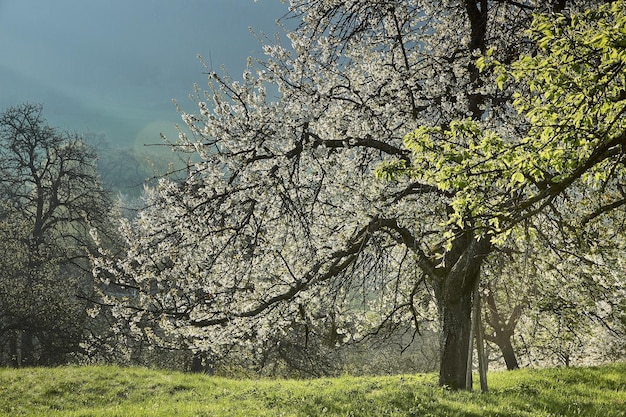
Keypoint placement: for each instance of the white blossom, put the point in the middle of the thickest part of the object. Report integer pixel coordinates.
(281, 220)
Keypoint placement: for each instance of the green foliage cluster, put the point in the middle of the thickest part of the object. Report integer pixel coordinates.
(572, 93)
(578, 94)
(114, 391)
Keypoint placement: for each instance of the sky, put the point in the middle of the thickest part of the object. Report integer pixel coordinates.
(113, 66)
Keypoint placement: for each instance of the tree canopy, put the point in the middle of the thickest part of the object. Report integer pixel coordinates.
(572, 93)
(281, 227)
(563, 177)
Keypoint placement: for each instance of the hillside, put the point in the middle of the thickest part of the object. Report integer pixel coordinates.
(128, 392)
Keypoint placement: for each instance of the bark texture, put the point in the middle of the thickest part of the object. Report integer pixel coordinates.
(454, 294)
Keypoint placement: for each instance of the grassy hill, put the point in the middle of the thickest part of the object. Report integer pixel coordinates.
(129, 392)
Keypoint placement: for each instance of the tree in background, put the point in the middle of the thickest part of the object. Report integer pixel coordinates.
(572, 315)
(281, 225)
(551, 301)
(51, 197)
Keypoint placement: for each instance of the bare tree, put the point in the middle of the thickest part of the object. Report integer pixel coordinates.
(51, 196)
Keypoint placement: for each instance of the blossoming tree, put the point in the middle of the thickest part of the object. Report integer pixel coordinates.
(282, 224)
(563, 178)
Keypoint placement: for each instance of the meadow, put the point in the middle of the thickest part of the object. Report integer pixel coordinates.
(130, 392)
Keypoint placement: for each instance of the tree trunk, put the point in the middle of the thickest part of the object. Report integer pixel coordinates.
(14, 354)
(470, 349)
(480, 344)
(456, 324)
(28, 349)
(503, 341)
(508, 353)
(196, 363)
(503, 330)
(454, 294)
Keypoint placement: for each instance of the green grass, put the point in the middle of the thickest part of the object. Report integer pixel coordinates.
(129, 392)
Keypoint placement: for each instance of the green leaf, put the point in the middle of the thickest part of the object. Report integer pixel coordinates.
(518, 177)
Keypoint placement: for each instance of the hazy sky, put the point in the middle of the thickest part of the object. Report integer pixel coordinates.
(114, 66)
